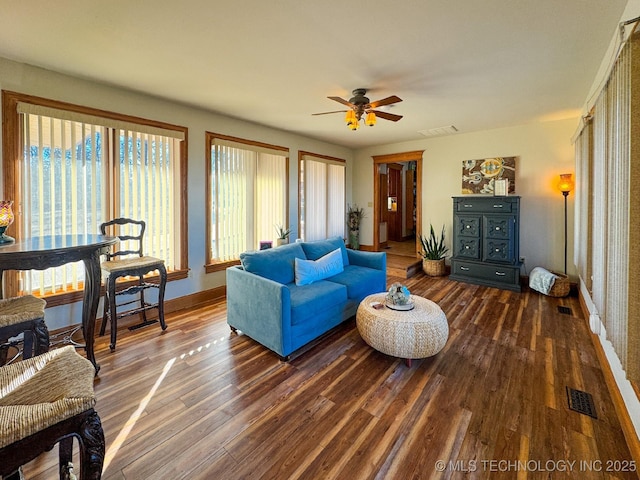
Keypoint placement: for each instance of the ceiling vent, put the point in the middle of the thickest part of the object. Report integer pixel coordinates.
(439, 131)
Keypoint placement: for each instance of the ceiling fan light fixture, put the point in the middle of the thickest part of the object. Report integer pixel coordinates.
(371, 119)
(350, 118)
(359, 107)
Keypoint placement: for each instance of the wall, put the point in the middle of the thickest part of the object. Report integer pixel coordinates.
(35, 81)
(544, 151)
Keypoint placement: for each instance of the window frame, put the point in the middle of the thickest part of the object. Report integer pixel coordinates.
(12, 156)
(212, 265)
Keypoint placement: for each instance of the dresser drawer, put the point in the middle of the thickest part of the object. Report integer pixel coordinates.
(478, 204)
(491, 273)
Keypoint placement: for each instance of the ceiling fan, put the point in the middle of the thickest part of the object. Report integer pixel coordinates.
(359, 104)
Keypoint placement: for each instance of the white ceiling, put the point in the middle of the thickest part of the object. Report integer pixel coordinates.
(475, 64)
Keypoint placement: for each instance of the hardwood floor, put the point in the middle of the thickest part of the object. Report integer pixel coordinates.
(199, 402)
(402, 259)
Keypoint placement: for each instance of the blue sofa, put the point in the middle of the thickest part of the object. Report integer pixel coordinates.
(266, 304)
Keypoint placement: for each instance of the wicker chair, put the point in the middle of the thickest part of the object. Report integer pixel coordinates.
(130, 262)
(23, 315)
(45, 400)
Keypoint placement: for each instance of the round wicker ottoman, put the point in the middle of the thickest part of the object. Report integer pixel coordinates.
(417, 333)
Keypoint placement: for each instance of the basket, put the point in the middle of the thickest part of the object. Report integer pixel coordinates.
(560, 286)
(434, 268)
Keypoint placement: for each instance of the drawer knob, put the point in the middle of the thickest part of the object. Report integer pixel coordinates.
(498, 228)
(499, 205)
(467, 247)
(464, 269)
(468, 226)
(497, 249)
(500, 274)
(468, 205)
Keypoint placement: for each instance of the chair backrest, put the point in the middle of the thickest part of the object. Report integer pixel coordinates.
(129, 232)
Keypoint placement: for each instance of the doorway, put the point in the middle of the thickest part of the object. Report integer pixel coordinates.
(397, 188)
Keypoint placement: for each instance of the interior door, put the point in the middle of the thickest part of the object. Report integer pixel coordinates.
(394, 203)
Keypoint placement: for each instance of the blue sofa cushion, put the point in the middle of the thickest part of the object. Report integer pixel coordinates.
(359, 281)
(276, 264)
(312, 301)
(319, 248)
(309, 271)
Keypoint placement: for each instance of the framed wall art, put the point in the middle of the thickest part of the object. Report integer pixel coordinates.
(479, 176)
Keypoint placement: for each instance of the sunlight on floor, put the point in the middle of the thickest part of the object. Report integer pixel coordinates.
(128, 426)
(201, 348)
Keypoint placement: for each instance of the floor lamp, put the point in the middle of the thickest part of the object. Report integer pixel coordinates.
(565, 185)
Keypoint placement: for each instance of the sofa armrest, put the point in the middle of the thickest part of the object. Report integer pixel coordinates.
(375, 260)
(260, 308)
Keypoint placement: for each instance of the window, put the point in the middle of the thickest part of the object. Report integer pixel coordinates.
(322, 196)
(247, 196)
(75, 168)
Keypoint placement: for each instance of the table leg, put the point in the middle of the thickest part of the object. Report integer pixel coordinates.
(408, 362)
(90, 304)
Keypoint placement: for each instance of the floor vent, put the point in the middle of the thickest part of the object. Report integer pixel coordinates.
(565, 310)
(581, 402)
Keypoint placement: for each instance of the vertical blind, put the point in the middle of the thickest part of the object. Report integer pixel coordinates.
(75, 175)
(583, 239)
(63, 172)
(604, 246)
(249, 197)
(323, 198)
(147, 183)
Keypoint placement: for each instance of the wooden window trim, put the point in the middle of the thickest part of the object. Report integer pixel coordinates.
(11, 155)
(211, 265)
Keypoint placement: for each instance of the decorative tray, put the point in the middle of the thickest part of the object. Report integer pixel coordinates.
(406, 306)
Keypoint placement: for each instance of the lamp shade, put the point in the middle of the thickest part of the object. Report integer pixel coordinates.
(371, 119)
(565, 185)
(350, 118)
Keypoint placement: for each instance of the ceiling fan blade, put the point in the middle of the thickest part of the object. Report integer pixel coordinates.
(385, 101)
(326, 113)
(387, 116)
(342, 101)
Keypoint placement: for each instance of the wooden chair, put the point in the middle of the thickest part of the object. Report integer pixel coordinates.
(47, 400)
(23, 315)
(130, 262)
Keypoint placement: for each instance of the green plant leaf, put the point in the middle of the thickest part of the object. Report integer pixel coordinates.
(433, 248)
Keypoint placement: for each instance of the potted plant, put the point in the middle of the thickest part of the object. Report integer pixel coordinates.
(283, 235)
(354, 217)
(433, 253)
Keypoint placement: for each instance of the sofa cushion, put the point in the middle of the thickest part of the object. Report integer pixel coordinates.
(309, 271)
(276, 264)
(319, 248)
(359, 281)
(312, 301)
